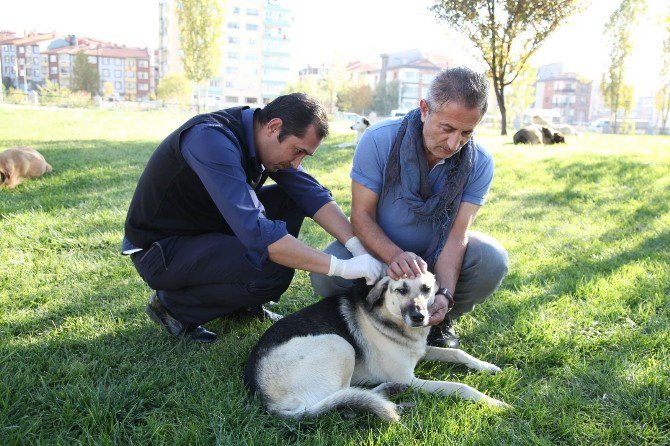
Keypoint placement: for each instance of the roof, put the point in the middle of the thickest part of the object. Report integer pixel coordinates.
(361, 67)
(120, 52)
(29, 38)
(415, 58)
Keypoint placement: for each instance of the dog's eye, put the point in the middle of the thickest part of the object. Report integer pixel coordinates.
(425, 289)
(402, 291)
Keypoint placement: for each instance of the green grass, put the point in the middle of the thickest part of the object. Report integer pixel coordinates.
(581, 326)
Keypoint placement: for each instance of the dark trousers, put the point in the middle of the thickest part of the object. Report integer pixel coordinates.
(199, 278)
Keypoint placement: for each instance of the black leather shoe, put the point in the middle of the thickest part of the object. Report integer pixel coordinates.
(262, 313)
(443, 335)
(162, 316)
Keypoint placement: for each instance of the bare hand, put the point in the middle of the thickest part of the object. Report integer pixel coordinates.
(407, 264)
(438, 310)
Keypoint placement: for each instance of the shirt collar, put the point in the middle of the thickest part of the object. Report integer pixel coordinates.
(248, 126)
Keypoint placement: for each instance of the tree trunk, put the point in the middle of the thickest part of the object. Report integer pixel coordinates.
(500, 97)
(197, 97)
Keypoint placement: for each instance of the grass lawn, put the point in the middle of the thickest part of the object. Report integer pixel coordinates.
(581, 326)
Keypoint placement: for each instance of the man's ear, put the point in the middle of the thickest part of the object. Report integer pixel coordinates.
(376, 294)
(274, 126)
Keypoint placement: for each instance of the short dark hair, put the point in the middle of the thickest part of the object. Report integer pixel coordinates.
(297, 111)
(459, 85)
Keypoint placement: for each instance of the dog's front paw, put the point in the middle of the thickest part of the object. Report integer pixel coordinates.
(486, 367)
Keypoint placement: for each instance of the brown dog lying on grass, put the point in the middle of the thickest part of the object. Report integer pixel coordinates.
(19, 163)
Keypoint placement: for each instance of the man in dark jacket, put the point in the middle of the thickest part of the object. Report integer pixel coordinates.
(204, 232)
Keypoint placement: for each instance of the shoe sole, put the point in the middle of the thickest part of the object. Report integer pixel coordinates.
(154, 317)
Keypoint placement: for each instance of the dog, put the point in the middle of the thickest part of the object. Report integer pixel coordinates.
(19, 163)
(538, 134)
(361, 125)
(309, 362)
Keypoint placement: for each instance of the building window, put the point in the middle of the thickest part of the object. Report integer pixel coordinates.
(143, 63)
(233, 55)
(118, 86)
(21, 50)
(142, 75)
(53, 70)
(232, 70)
(231, 98)
(233, 25)
(233, 40)
(251, 57)
(143, 87)
(105, 72)
(253, 11)
(117, 73)
(118, 62)
(236, 10)
(130, 62)
(251, 100)
(252, 27)
(92, 59)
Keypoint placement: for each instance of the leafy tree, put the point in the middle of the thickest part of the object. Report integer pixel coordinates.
(506, 33)
(663, 95)
(85, 76)
(174, 88)
(385, 97)
(616, 93)
(355, 98)
(200, 23)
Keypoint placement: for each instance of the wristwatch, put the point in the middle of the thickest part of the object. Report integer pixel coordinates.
(446, 293)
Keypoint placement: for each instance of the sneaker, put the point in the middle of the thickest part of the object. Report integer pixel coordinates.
(162, 316)
(443, 335)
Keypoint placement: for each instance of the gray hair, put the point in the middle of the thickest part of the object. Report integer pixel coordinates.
(460, 85)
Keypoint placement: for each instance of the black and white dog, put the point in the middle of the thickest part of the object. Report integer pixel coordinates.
(307, 363)
(361, 125)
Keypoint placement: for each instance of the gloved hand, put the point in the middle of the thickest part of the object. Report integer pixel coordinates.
(361, 266)
(355, 247)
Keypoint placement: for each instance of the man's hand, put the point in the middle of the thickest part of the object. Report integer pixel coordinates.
(362, 266)
(407, 264)
(438, 310)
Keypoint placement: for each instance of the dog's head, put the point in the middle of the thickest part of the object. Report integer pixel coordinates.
(361, 124)
(552, 136)
(405, 299)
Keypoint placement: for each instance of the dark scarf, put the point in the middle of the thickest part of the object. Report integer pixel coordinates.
(407, 162)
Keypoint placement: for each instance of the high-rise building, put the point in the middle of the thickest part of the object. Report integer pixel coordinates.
(255, 53)
(21, 58)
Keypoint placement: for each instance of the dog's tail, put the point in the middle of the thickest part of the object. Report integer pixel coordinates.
(348, 398)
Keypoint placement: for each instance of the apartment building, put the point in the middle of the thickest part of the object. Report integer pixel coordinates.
(413, 69)
(255, 56)
(566, 92)
(20, 58)
(124, 70)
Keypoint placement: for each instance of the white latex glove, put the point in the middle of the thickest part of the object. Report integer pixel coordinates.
(355, 247)
(364, 266)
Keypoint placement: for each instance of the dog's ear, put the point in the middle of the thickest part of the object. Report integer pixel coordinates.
(376, 294)
(366, 122)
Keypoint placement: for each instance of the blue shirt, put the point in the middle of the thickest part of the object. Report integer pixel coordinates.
(397, 222)
(218, 161)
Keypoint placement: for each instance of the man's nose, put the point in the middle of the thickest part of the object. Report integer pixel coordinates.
(454, 141)
(296, 161)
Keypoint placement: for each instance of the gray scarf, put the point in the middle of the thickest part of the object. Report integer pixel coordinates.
(407, 162)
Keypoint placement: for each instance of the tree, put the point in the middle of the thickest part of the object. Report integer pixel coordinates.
(200, 24)
(506, 33)
(355, 98)
(174, 88)
(663, 95)
(616, 93)
(385, 97)
(85, 76)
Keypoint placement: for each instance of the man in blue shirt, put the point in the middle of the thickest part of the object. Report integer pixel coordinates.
(204, 232)
(417, 185)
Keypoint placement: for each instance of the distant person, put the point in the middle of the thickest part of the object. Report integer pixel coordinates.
(204, 232)
(417, 185)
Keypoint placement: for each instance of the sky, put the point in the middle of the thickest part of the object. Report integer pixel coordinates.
(346, 30)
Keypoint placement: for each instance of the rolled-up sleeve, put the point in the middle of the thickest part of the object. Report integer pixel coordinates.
(217, 160)
(303, 188)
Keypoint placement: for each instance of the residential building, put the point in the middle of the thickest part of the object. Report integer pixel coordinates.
(413, 69)
(21, 58)
(363, 73)
(125, 72)
(567, 92)
(256, 52)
